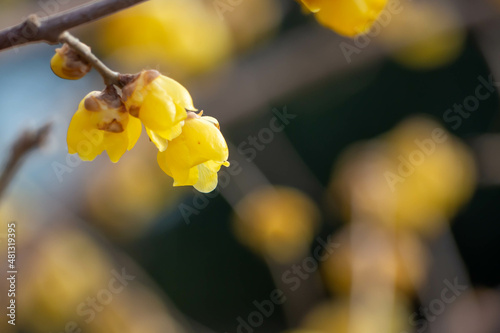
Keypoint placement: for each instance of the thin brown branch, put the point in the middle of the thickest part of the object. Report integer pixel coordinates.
(49, 29)
(24, 144)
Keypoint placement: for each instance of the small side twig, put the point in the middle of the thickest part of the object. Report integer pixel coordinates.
(110, 77)
(25, 143)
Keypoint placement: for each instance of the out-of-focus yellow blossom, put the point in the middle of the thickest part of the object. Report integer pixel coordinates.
(136, 310)
(416, 177)
(369, 315)
(183, 37)
(424, 35)
(251, 22)
(102, 123)
(160, 103)
(125, 207)
(346, 17)
(67, 266)
(277, 222)
(380, 258)
(440, 184)
(196, 155)
(67, 64)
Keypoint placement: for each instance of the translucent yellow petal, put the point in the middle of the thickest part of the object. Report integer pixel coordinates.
(161, 158)
(177, 157)
(159, 142)
(214, 166)
(83, 138)
(170, 165)
(172, 132)
(134, 129)
(210, 120)
(312, 5)
(186, 177)
(116, 145)
(176, 91)
(159, 113)
(207, 179)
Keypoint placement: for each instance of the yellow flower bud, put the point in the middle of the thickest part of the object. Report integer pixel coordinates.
(196, 155)
(160, 103)
(67, 64)
(346, 17)
(102, 123)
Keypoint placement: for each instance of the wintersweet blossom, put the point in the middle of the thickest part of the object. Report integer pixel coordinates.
(196, 155)
(346, 17)
(102, 123)
(160, 103)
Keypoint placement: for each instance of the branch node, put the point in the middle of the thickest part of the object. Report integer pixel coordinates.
(33, 22)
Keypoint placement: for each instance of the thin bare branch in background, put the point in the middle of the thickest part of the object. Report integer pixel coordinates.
(34, 29)
(25, 143)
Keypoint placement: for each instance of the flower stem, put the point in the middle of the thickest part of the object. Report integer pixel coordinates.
(110, 77)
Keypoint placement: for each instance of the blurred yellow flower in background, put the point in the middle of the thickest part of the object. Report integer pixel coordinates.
(71, 282)
(102, 123)
(367, 316)
(251, 22)
(160, 103)
(424, 35)
(196, 155)
(183, 37)
(346, 17)
(440, 183)
(138, 310)
(380, 258)
(277, 222)
(124, 202)
(67, 268)
(415, 177)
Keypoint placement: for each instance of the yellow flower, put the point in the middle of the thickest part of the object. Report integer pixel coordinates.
(313, 5)
(102, 123)
(408, 179)
(347, 17)
(163, 33)
(160, 103)
(277, 222)
(196, 155)
(425, 35)
(67, 64)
